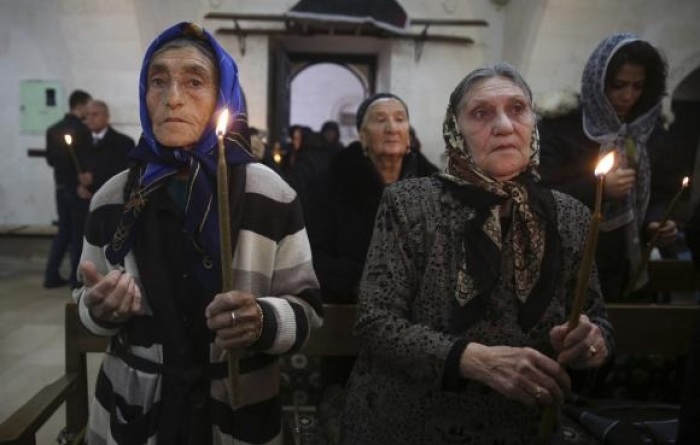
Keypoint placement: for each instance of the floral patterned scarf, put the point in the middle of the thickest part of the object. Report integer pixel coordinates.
(528, 232)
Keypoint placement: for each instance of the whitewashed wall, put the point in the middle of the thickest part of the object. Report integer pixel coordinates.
(97, 45)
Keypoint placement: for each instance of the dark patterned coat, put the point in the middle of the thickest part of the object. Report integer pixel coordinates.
(403, 388)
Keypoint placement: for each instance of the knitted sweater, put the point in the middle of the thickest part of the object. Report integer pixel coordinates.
(149, 366)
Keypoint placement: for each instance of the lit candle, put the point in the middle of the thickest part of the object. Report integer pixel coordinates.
(655, 236)
(584, 274)
(225, 245)
(277, 153)
(549, 416)
(69, 143)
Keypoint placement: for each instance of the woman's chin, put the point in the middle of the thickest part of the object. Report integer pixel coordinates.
(185, 143)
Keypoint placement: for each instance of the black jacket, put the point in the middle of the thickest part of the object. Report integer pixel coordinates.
(107, 158)
(340, 218)
(57, 152)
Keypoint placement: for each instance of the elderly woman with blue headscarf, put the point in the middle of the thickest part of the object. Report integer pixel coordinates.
(152, 271)
(620, 110)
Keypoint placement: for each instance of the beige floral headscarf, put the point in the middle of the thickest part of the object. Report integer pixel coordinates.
(528, 231)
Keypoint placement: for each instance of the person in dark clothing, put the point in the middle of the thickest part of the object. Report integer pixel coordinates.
(64, 159)
(342, 214)
(343, 203)
(620, 108)
(300, 142)
(330, 133)
(311, 155)
(689, 417)
(107, 155)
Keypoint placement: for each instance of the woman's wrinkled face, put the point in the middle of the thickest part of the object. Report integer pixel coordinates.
(625, 88)
(384, 132)
(181, 96)
(496, 121)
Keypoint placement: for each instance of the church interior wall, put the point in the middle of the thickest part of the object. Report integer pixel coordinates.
(97, 45)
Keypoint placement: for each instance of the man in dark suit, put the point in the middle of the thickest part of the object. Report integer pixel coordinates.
(64, 159)
(107, 154)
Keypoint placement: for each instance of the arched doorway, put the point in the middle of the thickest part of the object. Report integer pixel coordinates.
(326, 91)
(336, 82)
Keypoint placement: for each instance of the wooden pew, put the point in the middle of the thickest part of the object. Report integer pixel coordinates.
(673, 276)
(20, 428)
(644, 329)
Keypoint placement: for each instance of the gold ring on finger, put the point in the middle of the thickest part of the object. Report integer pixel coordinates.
(592, 350)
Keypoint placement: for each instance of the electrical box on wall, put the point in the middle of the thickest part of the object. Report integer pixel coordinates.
(42, 103)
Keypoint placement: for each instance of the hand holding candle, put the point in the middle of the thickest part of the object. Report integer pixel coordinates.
(604, 165)
(650, 245)
(225, 231)
(669, 211)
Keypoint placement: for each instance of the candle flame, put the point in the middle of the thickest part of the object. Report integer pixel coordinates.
(685, 182)
(223, 122)
(277, 158)
(68, 138)
(605, 164)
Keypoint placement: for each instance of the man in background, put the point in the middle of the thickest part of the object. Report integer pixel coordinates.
(107, 154)
(64, 159)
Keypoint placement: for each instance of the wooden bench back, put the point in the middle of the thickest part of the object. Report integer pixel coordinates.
(673, 276)
(642, 329)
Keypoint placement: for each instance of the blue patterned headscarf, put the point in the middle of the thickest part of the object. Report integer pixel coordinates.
(601, 124)
(159, 163)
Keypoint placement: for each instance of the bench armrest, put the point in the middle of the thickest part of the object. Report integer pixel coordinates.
(22, 425)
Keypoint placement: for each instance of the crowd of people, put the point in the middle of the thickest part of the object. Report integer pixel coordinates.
(464, 277)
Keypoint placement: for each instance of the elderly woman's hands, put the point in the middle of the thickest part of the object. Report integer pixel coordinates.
(522, 374)
(237, 319)
(114, 297)
(583, 347)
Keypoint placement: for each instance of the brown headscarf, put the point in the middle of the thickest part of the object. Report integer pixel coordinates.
(527, 229)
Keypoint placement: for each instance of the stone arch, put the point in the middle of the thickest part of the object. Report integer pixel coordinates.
(326, 90)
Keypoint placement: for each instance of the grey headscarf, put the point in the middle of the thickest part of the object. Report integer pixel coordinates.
(601, 124)
(627, 139)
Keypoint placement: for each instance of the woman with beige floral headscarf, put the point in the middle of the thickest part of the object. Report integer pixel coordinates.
(468, 283)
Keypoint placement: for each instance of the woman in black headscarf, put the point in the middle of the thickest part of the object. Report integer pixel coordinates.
(468, 284)
(344, 201)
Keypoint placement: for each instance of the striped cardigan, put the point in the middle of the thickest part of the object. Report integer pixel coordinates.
(272, 260)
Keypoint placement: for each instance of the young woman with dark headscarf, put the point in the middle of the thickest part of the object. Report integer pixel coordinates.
(620, 108)
(152, 270)
(468, 284)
